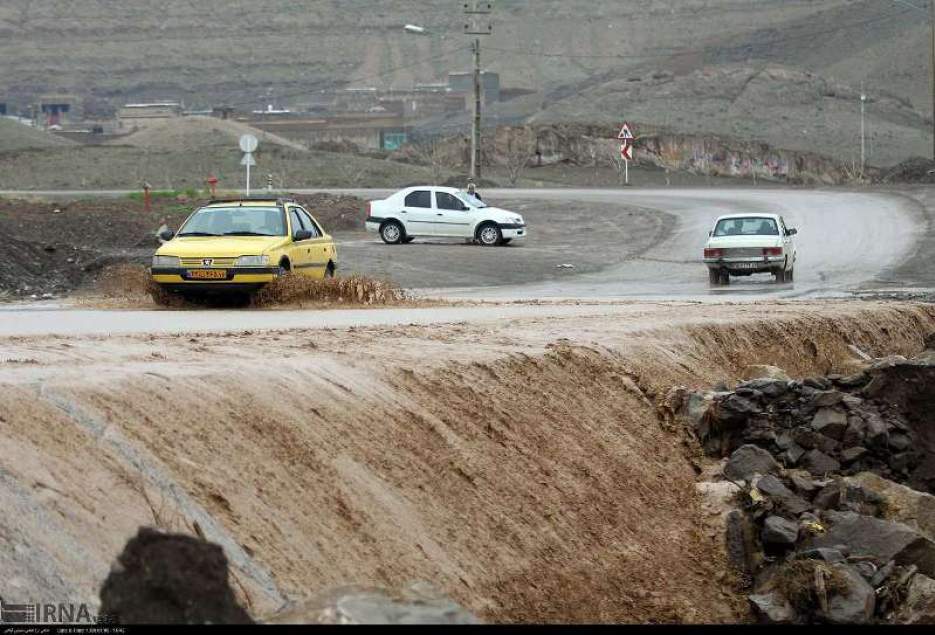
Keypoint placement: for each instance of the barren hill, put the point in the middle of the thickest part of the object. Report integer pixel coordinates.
(15, 136)
(577, 55)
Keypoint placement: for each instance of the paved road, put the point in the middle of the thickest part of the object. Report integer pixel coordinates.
(847, 241)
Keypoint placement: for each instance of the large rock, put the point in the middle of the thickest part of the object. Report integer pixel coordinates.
(749, 460)
(735, 410)
(902, 504)
(918, 607)
(780, 532)
(782, 497)
(772, 608)
(170, 579)
(883, 540)
(830, 422)
(818, 463)
(855, 604)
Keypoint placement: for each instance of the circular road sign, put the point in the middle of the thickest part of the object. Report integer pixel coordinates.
(248, 143)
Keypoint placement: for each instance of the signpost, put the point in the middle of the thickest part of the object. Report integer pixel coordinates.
(248, 145)
(626, 148)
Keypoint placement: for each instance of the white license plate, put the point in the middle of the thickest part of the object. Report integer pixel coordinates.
(746, 265)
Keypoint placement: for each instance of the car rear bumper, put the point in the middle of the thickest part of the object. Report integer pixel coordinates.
(746, 265)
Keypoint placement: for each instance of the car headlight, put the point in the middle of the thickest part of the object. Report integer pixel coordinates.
(252, 261)
(166, 261)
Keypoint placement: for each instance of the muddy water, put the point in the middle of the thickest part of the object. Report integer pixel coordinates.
(522, 469)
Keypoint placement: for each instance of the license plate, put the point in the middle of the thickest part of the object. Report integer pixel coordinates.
(746, 265)
(208, 274)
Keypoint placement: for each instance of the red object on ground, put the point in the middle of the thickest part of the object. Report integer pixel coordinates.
(147, 197)
(213, 185)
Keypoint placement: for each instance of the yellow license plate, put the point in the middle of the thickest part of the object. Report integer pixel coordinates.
(208, 274)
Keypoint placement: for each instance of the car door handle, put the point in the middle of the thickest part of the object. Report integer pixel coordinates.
(439, 214)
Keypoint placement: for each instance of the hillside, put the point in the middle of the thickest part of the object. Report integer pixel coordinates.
(16, 136)
(577, 55)
(198, 132)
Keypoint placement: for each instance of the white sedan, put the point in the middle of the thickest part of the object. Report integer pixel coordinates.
(442, 212)
(744, 244)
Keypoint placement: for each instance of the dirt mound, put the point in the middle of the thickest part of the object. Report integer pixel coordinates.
(915, 170)
(193, 133)
(15, 136)
(170, 579)
(336, 212)
(355, 290)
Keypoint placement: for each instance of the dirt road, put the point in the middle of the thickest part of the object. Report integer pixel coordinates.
(521, 468)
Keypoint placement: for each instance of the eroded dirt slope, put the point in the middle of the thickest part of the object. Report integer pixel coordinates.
(521, 468)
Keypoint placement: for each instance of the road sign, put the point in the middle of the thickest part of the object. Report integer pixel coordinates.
(626, 132)
(248, 143)
(626, 152)
(248, 160)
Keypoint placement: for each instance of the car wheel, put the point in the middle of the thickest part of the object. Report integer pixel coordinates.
(725, 277)
(489, 235)
(392, 233)
(714, 277)
(790, 275)
(780, 276)
(329, 270)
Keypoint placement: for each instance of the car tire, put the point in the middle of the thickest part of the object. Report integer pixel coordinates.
(489, 235)
(392, 232)
(790, 275)
(779, 276)
(714, 277)
(725, 278)
(329, 270)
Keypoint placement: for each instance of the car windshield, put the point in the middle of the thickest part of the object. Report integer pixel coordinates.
(473, 201)
(747, 227)
(236, 221)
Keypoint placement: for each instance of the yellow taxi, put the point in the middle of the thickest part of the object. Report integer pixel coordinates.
(241, 245)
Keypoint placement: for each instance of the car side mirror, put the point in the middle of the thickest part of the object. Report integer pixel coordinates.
(302, 234)
(166, 235)
(465, 208)
(792, 232)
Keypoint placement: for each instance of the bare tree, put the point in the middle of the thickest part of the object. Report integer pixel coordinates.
(435, 154)
(520, 148)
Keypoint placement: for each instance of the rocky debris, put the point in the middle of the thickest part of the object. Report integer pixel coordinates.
(832, 526)
(759, 371)
(170, 579)
(873, 421)
(749, 461)
(417, 604)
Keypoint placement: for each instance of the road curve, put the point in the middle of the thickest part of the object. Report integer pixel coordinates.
(845, 241)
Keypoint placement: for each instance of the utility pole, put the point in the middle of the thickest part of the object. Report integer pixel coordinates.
(932, 60)
(474, 10)
(863, 131)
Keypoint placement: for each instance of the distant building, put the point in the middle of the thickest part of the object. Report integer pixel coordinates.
(463, 83)
(57, 110)
(380, 130)
(141, 115)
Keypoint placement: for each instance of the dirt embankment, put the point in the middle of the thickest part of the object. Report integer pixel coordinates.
(529, 478)
(54, 248)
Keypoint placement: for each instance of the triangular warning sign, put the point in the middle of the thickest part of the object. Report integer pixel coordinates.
(626, 132)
